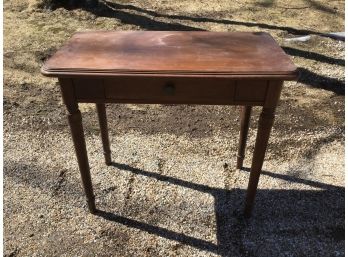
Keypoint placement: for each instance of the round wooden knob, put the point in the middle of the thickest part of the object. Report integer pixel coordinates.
(169, 88)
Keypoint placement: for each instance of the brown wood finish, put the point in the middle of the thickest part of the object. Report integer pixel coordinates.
(104, 132)
(263, 132)
(170, 52)
(221, 68)
(244, 127)
(221, 91)
(75, 122)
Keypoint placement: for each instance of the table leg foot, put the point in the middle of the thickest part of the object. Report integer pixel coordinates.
(244, 127)
(91, 206)
(263, 133)
(247, 212)
(104, 133)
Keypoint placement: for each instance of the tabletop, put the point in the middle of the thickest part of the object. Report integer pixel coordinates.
(172, 53)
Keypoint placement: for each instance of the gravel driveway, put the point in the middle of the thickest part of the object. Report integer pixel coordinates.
(173, 189)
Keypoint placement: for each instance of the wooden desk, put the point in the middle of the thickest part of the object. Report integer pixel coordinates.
(218, 68)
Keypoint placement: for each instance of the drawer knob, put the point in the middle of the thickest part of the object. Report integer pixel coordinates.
(169, 88)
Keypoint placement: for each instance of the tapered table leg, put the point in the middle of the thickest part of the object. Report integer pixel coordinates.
(104, 132)
(264, 129)
(75, 122)
(244, 127)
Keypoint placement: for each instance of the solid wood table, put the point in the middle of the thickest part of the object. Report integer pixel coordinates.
(171, 67)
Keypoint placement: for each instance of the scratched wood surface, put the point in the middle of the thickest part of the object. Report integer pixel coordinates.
(170, 52)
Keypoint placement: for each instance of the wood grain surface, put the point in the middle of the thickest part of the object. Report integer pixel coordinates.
(170, 52)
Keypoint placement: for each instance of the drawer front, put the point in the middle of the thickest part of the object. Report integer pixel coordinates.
(170, 90)
(173, 90)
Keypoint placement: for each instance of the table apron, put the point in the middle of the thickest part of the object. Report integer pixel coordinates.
(173, 90)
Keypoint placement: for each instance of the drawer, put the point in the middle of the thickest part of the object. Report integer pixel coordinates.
(170, 90)
(164, 90)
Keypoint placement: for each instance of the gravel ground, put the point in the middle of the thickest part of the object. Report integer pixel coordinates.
(173, 189)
